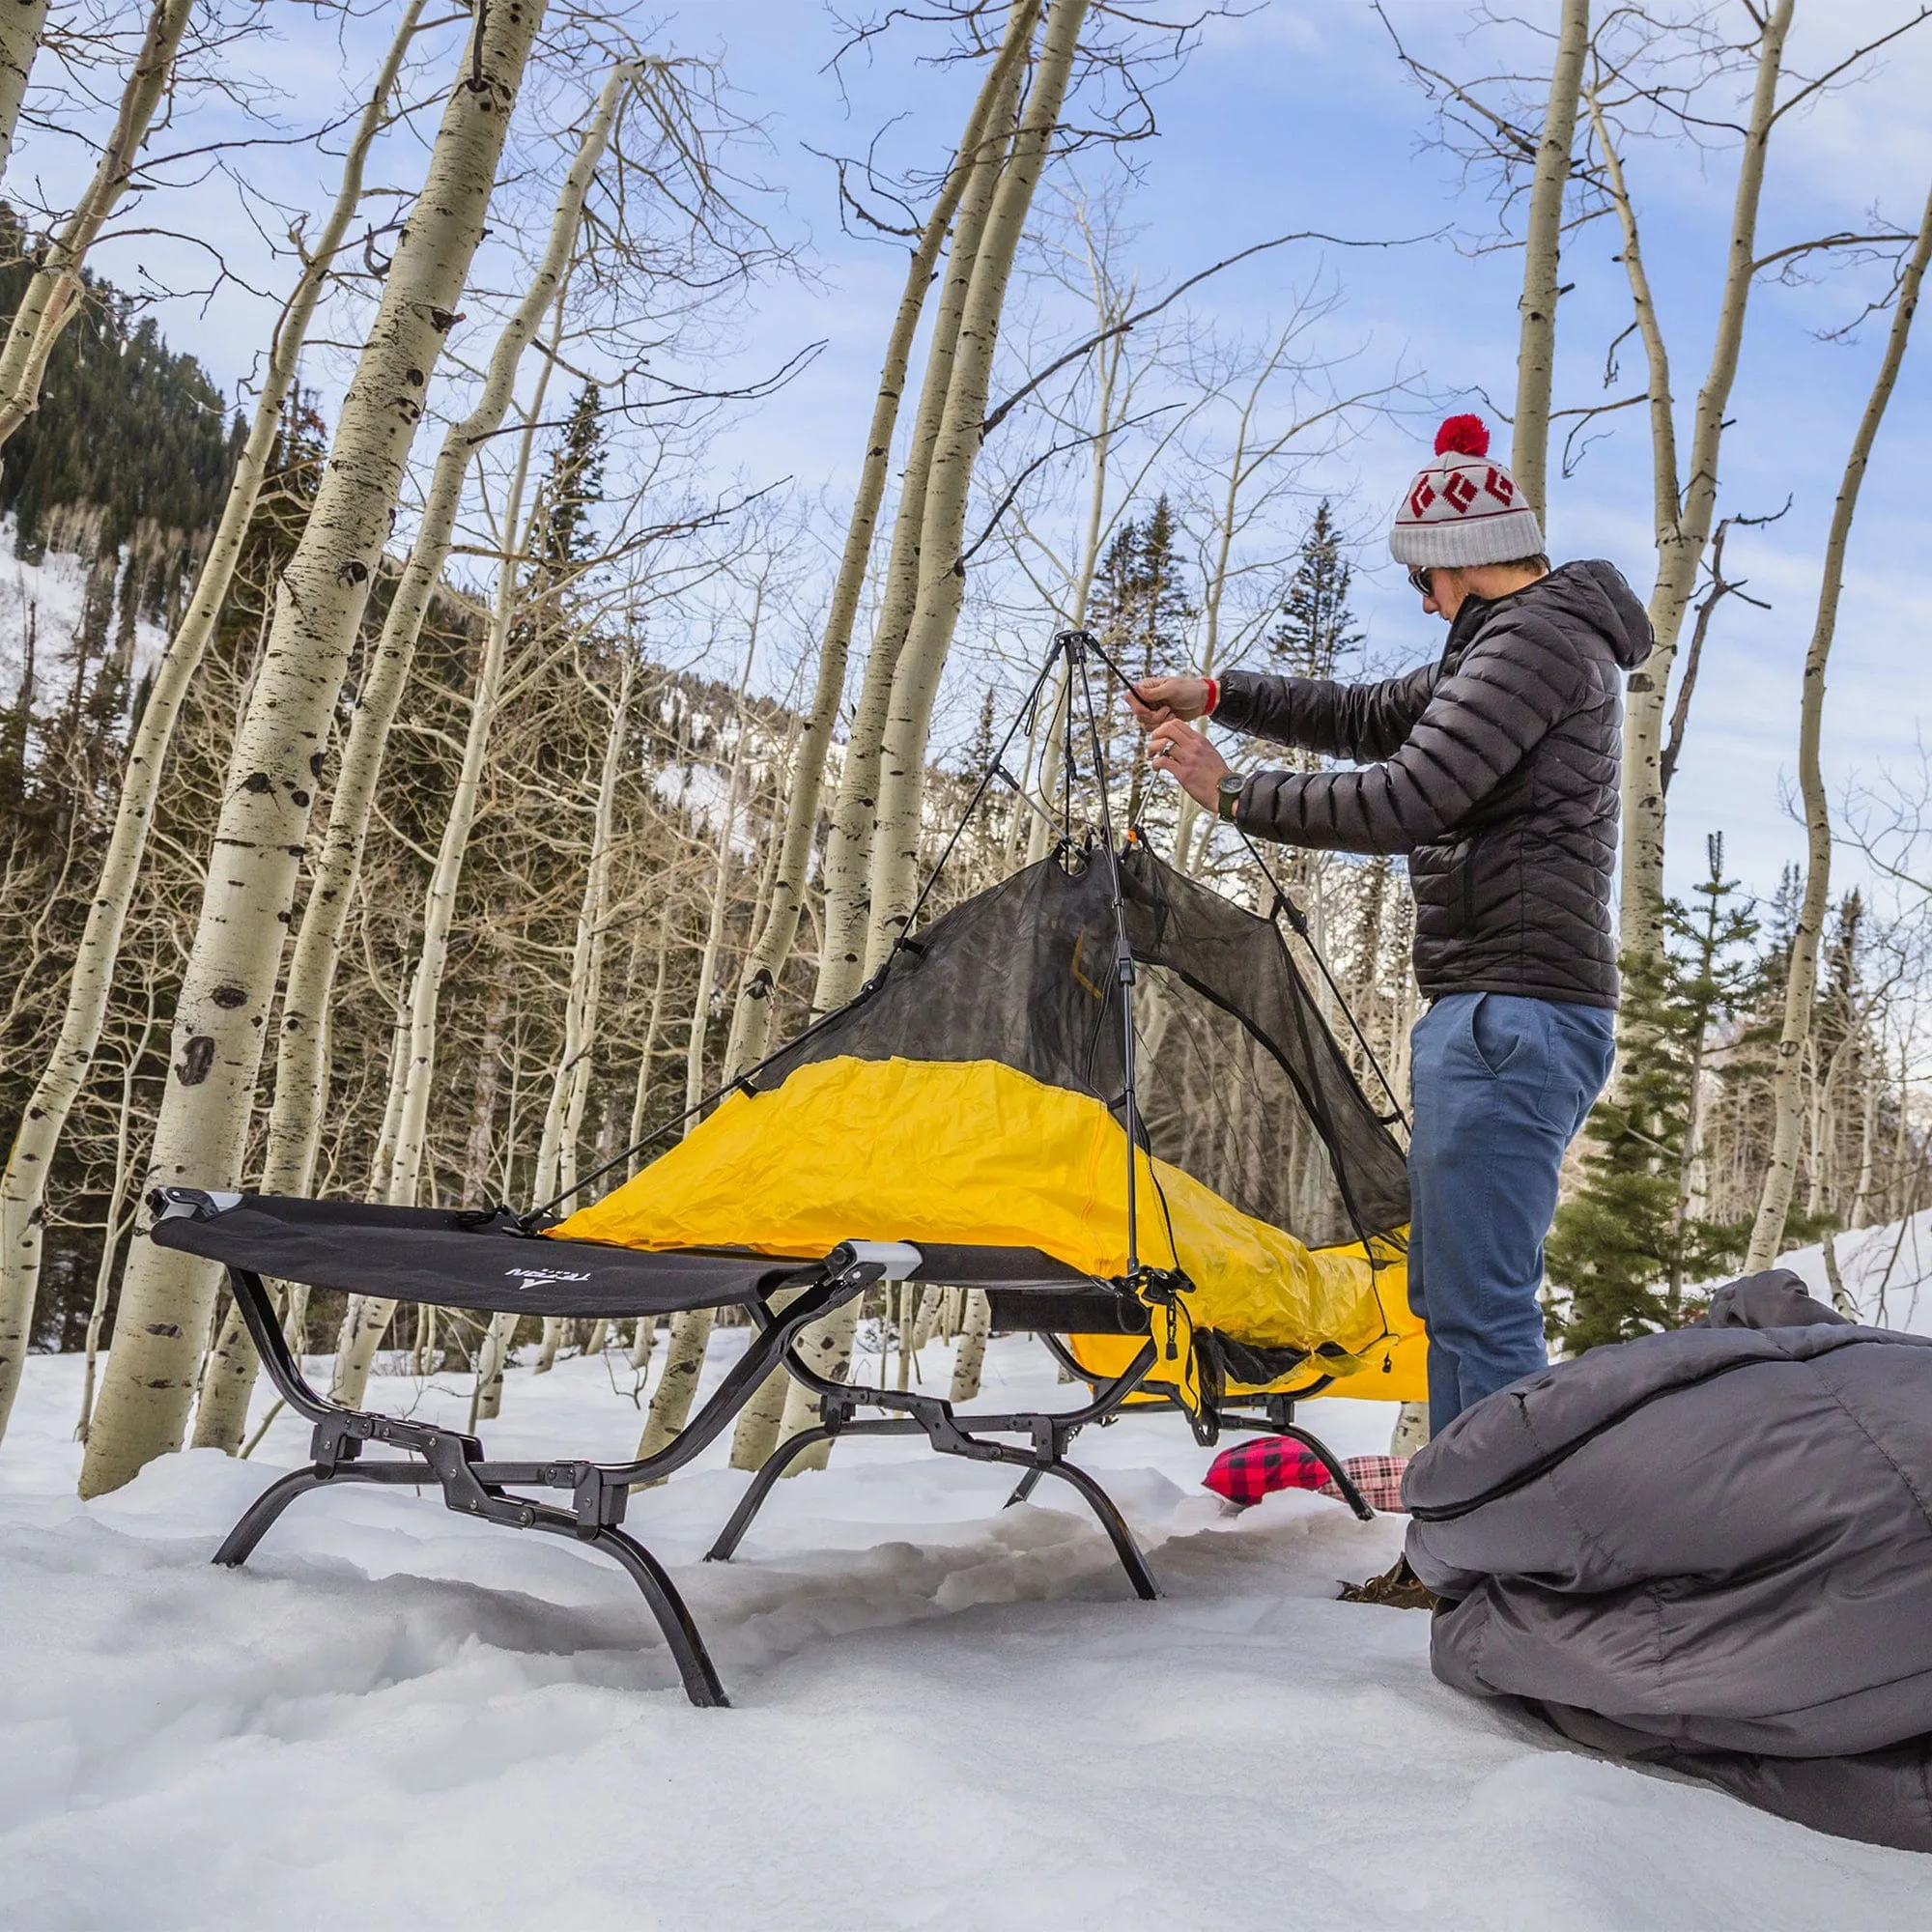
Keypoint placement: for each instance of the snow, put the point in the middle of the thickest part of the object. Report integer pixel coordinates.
(946, 1714)
(1886, 1272)
(53, 591)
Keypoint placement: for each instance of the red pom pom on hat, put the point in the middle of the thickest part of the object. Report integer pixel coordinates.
(1463, 436)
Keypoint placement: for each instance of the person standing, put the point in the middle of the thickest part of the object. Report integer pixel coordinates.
(1495, 772)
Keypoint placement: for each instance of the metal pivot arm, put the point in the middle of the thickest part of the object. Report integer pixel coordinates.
(965, 1435)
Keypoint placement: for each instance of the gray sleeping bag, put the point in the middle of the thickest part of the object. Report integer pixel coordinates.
(1710, 1549)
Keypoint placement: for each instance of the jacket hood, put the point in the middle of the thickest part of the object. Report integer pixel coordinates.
(1594, 593)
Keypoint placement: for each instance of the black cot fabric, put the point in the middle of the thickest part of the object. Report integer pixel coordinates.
(444, 1257)
(1240, 1082)
(453, 1259)
(1496, 770)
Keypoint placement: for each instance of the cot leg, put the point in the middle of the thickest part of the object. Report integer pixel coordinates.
(754, 1499)
(1332, 1462)
(1025, 1486)
(701, 1682)
(1103, 1506)
(260, 1515)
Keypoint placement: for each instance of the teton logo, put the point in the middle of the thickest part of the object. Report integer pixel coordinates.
(544, 1275)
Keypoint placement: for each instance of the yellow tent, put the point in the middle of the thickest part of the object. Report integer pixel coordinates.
(980, 1094)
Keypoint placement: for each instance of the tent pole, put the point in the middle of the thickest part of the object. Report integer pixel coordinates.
(1075, 644)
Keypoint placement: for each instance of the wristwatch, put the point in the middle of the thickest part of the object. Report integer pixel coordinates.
(1227, 795)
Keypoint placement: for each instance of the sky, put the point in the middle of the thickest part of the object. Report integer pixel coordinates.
(1297, 115)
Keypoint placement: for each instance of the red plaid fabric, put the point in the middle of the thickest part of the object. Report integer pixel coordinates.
(1377, 1477)
(1263, 1464)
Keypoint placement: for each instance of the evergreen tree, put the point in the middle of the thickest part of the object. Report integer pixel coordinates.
(1625, 1247)
(573, 485)
(1142, 613)
(125, 426)
(1318, 629)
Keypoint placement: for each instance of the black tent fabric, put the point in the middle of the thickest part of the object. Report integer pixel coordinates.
(1241, 1083)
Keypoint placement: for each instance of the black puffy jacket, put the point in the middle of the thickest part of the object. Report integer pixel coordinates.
(1496, 770)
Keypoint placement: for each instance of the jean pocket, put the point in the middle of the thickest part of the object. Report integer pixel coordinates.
(1499, 1031)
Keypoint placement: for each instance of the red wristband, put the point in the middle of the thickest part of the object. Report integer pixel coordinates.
(1213, 697)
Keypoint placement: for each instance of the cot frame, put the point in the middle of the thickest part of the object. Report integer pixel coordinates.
(471, 1484)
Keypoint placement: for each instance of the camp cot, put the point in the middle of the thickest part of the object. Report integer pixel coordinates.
(1099, 1090)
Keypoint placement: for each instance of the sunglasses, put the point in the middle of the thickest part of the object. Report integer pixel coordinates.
(1421, 579)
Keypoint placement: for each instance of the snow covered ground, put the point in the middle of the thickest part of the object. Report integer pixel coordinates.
(948, 1715)
(1886, 1272)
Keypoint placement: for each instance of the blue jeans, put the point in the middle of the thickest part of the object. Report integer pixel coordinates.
(1500, 1085)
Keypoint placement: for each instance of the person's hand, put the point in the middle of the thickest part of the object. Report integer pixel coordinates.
(1188, 757)
(1153, 700)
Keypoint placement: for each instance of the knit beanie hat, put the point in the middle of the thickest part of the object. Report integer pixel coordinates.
(1464, 508)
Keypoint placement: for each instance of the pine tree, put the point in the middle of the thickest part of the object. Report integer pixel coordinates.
(1318, 629)
(1143, 615)
(1623, 1250)
(575, 483)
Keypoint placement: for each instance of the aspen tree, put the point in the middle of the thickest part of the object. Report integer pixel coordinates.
(563, 1118)
(941, 580)
(22, 26)
(1109, 357)
(229, 978)
(751, 1018)
(301, 1063)
(975, 165)
(117, 1221)
(691, 1328)
(1800, 985)
(848, 848)
(978, 268)
(366, 1319)
(23, 1189)
(53, 296)
(969, 1364)
(1536, 344)
(1686, 502)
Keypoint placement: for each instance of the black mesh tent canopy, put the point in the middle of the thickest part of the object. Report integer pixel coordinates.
(1099, 1092)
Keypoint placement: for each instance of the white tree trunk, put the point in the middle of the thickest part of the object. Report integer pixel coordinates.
(752, 1019)
(1800, 985)
(22, 25)
(691, 1328)
(1683, 535)
(229, 979)
(942, 577)
(1107, 367)
(647, 1060)
(848, 848)
(1411, 1429)
(116, 1222)
(828, 1344)
(563, 1118)
(757, 1433)
(22, 1191)
(367, 1317)
(969, 1364)
(1536, 342)
(53, 296)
